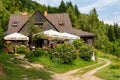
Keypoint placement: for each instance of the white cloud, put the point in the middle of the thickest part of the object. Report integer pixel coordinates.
(112, 20)
(99, 4)
(108, 22)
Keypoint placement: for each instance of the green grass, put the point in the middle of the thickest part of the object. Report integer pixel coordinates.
(61, 68)
(111, 72)
(84, 70)
(13, 71)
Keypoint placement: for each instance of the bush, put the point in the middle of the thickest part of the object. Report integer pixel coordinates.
(22, 50)
(64, 53)
(37, 53)
(86, 52)
(77, 43)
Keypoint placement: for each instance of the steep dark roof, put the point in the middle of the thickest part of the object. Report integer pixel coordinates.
(67, 26)
(38, 16)
(82, 33)
(20, 19)
(57, 19)
(60, 21)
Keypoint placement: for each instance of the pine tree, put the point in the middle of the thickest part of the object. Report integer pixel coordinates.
(116, 31)
(111, 35)
(62, 7)
(69, 4)
(73, 17)
(93, 20)
(77, 11)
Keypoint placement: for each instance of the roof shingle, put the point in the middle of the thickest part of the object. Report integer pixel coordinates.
(61, 17)
(20, 19)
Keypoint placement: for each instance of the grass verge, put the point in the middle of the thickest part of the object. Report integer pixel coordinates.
(13, 71)
(61, 68)
(111, 72)
(84, 70)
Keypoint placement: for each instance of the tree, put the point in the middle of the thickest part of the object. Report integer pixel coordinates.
(93, 20)
(116, 31)
(83, 22)
(1, 38)
(32, 30)
(77, 11)
(4, 15)
(62, 7)
(73, 17)
(69, 4)
(52, 9)
(111, 35)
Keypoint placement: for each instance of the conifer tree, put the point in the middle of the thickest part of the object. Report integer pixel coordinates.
(77, 11)
(93, 20)
(111, 35)
(62, 7)
(116, 31)
(69, 4)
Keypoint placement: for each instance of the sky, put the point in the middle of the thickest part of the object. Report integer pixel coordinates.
(108, 10)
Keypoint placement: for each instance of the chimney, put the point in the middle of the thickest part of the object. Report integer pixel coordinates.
(45, 13)
(24, 13)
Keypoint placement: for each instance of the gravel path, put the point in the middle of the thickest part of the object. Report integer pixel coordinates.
(87, 76)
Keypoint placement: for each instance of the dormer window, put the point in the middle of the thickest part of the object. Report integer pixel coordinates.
(15, 24)
(61, 23)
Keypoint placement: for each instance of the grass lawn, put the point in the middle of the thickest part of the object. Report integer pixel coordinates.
(111, 72)
(84, 70)
(60, 68)
(13, 71)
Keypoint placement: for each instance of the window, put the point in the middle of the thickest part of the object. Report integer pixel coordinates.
(39, 23)
(15, 24)
(60, 23)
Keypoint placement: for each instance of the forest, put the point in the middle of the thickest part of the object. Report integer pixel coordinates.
(107, 36)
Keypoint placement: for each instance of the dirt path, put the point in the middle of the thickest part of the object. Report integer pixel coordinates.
(26, 64)
(87, 76)
(90, 75)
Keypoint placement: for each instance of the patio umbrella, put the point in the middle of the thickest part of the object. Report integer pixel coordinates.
(69, 36)
(53, 33)
(16, 36)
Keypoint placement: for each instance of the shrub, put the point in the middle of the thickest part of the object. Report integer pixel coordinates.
(77, 43)
(22, 50)
(37, 53)
(86, 52)
(64, 53)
